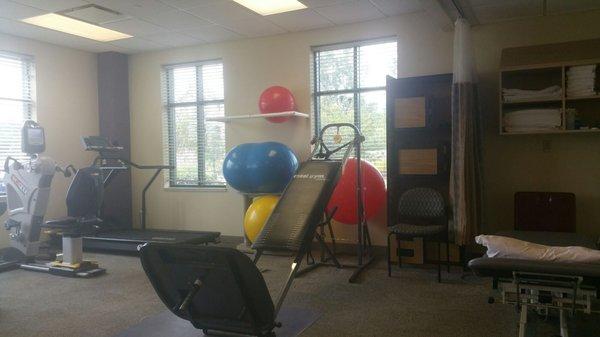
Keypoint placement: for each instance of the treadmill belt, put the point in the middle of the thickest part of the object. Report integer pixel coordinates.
(129, 240)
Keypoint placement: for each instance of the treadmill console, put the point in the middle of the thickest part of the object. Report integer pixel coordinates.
(99, 144)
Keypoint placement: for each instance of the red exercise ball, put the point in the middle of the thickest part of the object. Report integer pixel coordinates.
(344, 195)
(276, 99)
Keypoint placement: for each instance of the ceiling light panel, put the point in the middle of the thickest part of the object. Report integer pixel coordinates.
(268, 7)
(76, 27)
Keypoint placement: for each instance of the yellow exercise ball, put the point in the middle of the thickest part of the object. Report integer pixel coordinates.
(257, 214)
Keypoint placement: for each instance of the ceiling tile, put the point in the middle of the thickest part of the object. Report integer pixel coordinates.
(135, 27)
(323, 3)
(397, 7)
(476, 3)
(11, 10)
(173, 39)
(508, 11)
(223, 13)
(561, 6)
(213, 33)
(303, 19)
(96, 15)
(176, 20)
(186, 4)
(137, 44)
(53, 5)
(255, 27)
(136, 8)
(360, 10)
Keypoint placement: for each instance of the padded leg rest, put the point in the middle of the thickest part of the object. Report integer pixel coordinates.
(215, 288)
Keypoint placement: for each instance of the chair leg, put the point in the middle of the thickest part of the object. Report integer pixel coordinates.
(448, 253)
(389, 255)
(439, 261)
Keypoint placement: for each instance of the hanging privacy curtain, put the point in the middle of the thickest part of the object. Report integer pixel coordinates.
(466, 172)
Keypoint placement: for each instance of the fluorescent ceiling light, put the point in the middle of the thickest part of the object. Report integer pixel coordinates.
(69, 25)
(268, 7)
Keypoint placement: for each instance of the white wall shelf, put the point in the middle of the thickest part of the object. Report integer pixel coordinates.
(226, 119)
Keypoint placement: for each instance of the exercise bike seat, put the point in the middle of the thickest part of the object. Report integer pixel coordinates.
(215, 288)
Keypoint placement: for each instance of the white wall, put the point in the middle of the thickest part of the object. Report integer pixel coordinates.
(66, 106)
(250, 66)
(511, 163)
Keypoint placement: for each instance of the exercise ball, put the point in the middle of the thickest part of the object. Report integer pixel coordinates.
(344, 195)
(276, 99)
(257, 215)
(260, 167)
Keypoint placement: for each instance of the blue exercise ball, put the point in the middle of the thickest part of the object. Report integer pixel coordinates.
(260, 167)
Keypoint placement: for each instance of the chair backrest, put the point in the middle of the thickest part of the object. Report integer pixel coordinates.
(84, 197)
(232, 295)
(422, 206)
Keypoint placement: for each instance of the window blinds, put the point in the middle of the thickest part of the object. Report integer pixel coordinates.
(16, 103)
(349, 86)
(193, 145)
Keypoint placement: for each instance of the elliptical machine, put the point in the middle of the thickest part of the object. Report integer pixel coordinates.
(27, 194)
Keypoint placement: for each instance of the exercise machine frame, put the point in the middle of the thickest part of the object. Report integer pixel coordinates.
(130, 239)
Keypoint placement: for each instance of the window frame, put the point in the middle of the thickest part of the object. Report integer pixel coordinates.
(355, 90)
(169, 111)
(29, 75)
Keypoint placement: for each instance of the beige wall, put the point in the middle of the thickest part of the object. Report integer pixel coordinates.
(66, 106)
(512, 163)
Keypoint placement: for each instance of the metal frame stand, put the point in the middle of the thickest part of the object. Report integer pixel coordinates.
(563, 293)
(327, 254)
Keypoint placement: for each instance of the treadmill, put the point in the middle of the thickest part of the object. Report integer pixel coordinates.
(126, 239)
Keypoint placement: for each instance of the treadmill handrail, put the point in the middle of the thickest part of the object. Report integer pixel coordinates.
(128, 163)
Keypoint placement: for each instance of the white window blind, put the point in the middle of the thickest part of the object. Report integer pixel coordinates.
(349, 86)
(194, 146)
(17, 91)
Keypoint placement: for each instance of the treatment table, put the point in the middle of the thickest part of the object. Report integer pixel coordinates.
(530, 284)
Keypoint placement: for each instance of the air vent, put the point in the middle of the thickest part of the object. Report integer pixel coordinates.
(93, 14)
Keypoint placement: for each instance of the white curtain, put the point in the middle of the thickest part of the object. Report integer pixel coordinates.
(466, 171)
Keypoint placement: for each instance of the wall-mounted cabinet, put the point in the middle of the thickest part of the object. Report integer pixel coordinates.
(551, 88)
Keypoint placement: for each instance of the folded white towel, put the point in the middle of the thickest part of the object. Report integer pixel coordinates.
(583, 86)
(586, 78)
(511, 129)
(513, 95)
(581, 94)
(586, 68)
(533, 118)
(552, 89)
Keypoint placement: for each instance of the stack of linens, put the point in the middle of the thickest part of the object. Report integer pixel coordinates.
(531, 120)
(581, 81)
(515, 95)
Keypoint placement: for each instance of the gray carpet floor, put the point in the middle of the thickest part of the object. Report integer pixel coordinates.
(411, 303)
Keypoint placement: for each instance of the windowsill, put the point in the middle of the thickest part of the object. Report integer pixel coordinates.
(195, 189)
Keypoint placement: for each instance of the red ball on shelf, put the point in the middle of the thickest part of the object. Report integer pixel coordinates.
(276, 99)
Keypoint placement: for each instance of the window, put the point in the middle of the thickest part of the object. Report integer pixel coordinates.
(349, 86)
(194, 146)
(17, 83)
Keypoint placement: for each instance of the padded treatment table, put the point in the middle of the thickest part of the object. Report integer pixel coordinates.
(564, 287)
(504, 268)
